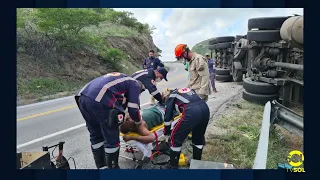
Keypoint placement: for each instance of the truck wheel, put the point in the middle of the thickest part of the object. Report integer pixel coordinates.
(224, 78)
(238, 37)
(222, 45)
(237, 74)
(259, 87)
(211, 47)
(221, 71)
(266, 22)
(212, 42)
(264, 35)
(224, 39)
(261, 99)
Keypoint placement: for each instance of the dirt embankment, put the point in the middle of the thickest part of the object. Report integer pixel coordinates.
(42, 70)
(136, 48)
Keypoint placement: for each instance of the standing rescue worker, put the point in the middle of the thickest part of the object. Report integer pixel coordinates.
(102, 103)
(149, 77)
(211, 71)
(195, 118)
(198, 70)
(152, 63)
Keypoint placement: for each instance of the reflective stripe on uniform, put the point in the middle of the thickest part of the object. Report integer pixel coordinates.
(98, 145)
(167, 123)
(111, 150)
(177, 107)
(154, 92)
(110, 84)
(176, 149)
(180, 98)
(133, 105)
(199, 146)
(140, 74)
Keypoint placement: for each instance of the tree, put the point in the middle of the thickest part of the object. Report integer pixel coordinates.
(66, 21)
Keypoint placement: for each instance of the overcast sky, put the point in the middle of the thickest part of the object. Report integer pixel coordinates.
(190, 26)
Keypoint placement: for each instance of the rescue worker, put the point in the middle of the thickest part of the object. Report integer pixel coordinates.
(152, 63)
(195, 118)
(198, 70)
(149, 77)
(211, 72)
(102, 103)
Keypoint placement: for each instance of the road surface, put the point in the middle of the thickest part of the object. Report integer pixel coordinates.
(47, 123)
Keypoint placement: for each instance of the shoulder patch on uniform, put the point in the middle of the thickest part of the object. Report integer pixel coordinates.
(184, 90)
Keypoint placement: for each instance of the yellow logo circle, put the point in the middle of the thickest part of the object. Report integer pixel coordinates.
(293, 163)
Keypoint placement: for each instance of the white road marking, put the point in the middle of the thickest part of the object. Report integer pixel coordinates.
(57, 133)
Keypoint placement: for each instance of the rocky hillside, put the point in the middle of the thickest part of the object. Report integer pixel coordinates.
(59, 50)
(202, 47)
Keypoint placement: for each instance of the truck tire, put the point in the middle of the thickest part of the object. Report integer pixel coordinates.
(237, 74)
(211, 47)
(264, 36)
(222, 45)
(262, 88)
(261, 99)
(221, 71)
(212, 42)
(239, 49)
(238, 37)
(224, 78)
(224, 39)
(266, 22)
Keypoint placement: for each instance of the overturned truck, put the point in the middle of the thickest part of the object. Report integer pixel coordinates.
(270, 57)
(273, 56)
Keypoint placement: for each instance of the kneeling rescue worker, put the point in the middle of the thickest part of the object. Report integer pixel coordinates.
(149, 77)
(102, 103)
(195, 118)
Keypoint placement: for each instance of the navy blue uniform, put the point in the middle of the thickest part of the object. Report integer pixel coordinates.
(195, 117)
(98, 99)
(152, 63)
(148, 77)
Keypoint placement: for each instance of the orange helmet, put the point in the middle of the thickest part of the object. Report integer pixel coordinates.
(180, 49)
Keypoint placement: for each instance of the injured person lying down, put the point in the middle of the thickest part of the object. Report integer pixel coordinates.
(151, 117)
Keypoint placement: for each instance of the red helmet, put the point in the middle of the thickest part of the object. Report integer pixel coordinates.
(180, 49)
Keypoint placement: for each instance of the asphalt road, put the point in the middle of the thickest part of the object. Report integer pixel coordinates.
(47, 123)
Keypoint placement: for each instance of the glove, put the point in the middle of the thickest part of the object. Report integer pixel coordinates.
(167, 130)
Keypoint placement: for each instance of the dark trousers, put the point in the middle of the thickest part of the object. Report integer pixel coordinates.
(195, 118)
(96, 116)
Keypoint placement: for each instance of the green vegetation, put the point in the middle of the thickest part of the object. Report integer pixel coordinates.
(202, 47)
(61, 49)
(237, 134)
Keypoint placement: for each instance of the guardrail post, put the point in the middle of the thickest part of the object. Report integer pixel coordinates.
(260, 161)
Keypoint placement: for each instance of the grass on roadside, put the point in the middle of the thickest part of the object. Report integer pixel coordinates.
(238, 146)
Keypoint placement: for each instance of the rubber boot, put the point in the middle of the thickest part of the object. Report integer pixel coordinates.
(99, 158)
(112, 160)
(174, 160)
(196, 153)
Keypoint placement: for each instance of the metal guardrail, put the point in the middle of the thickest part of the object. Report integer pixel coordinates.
(275, 113)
